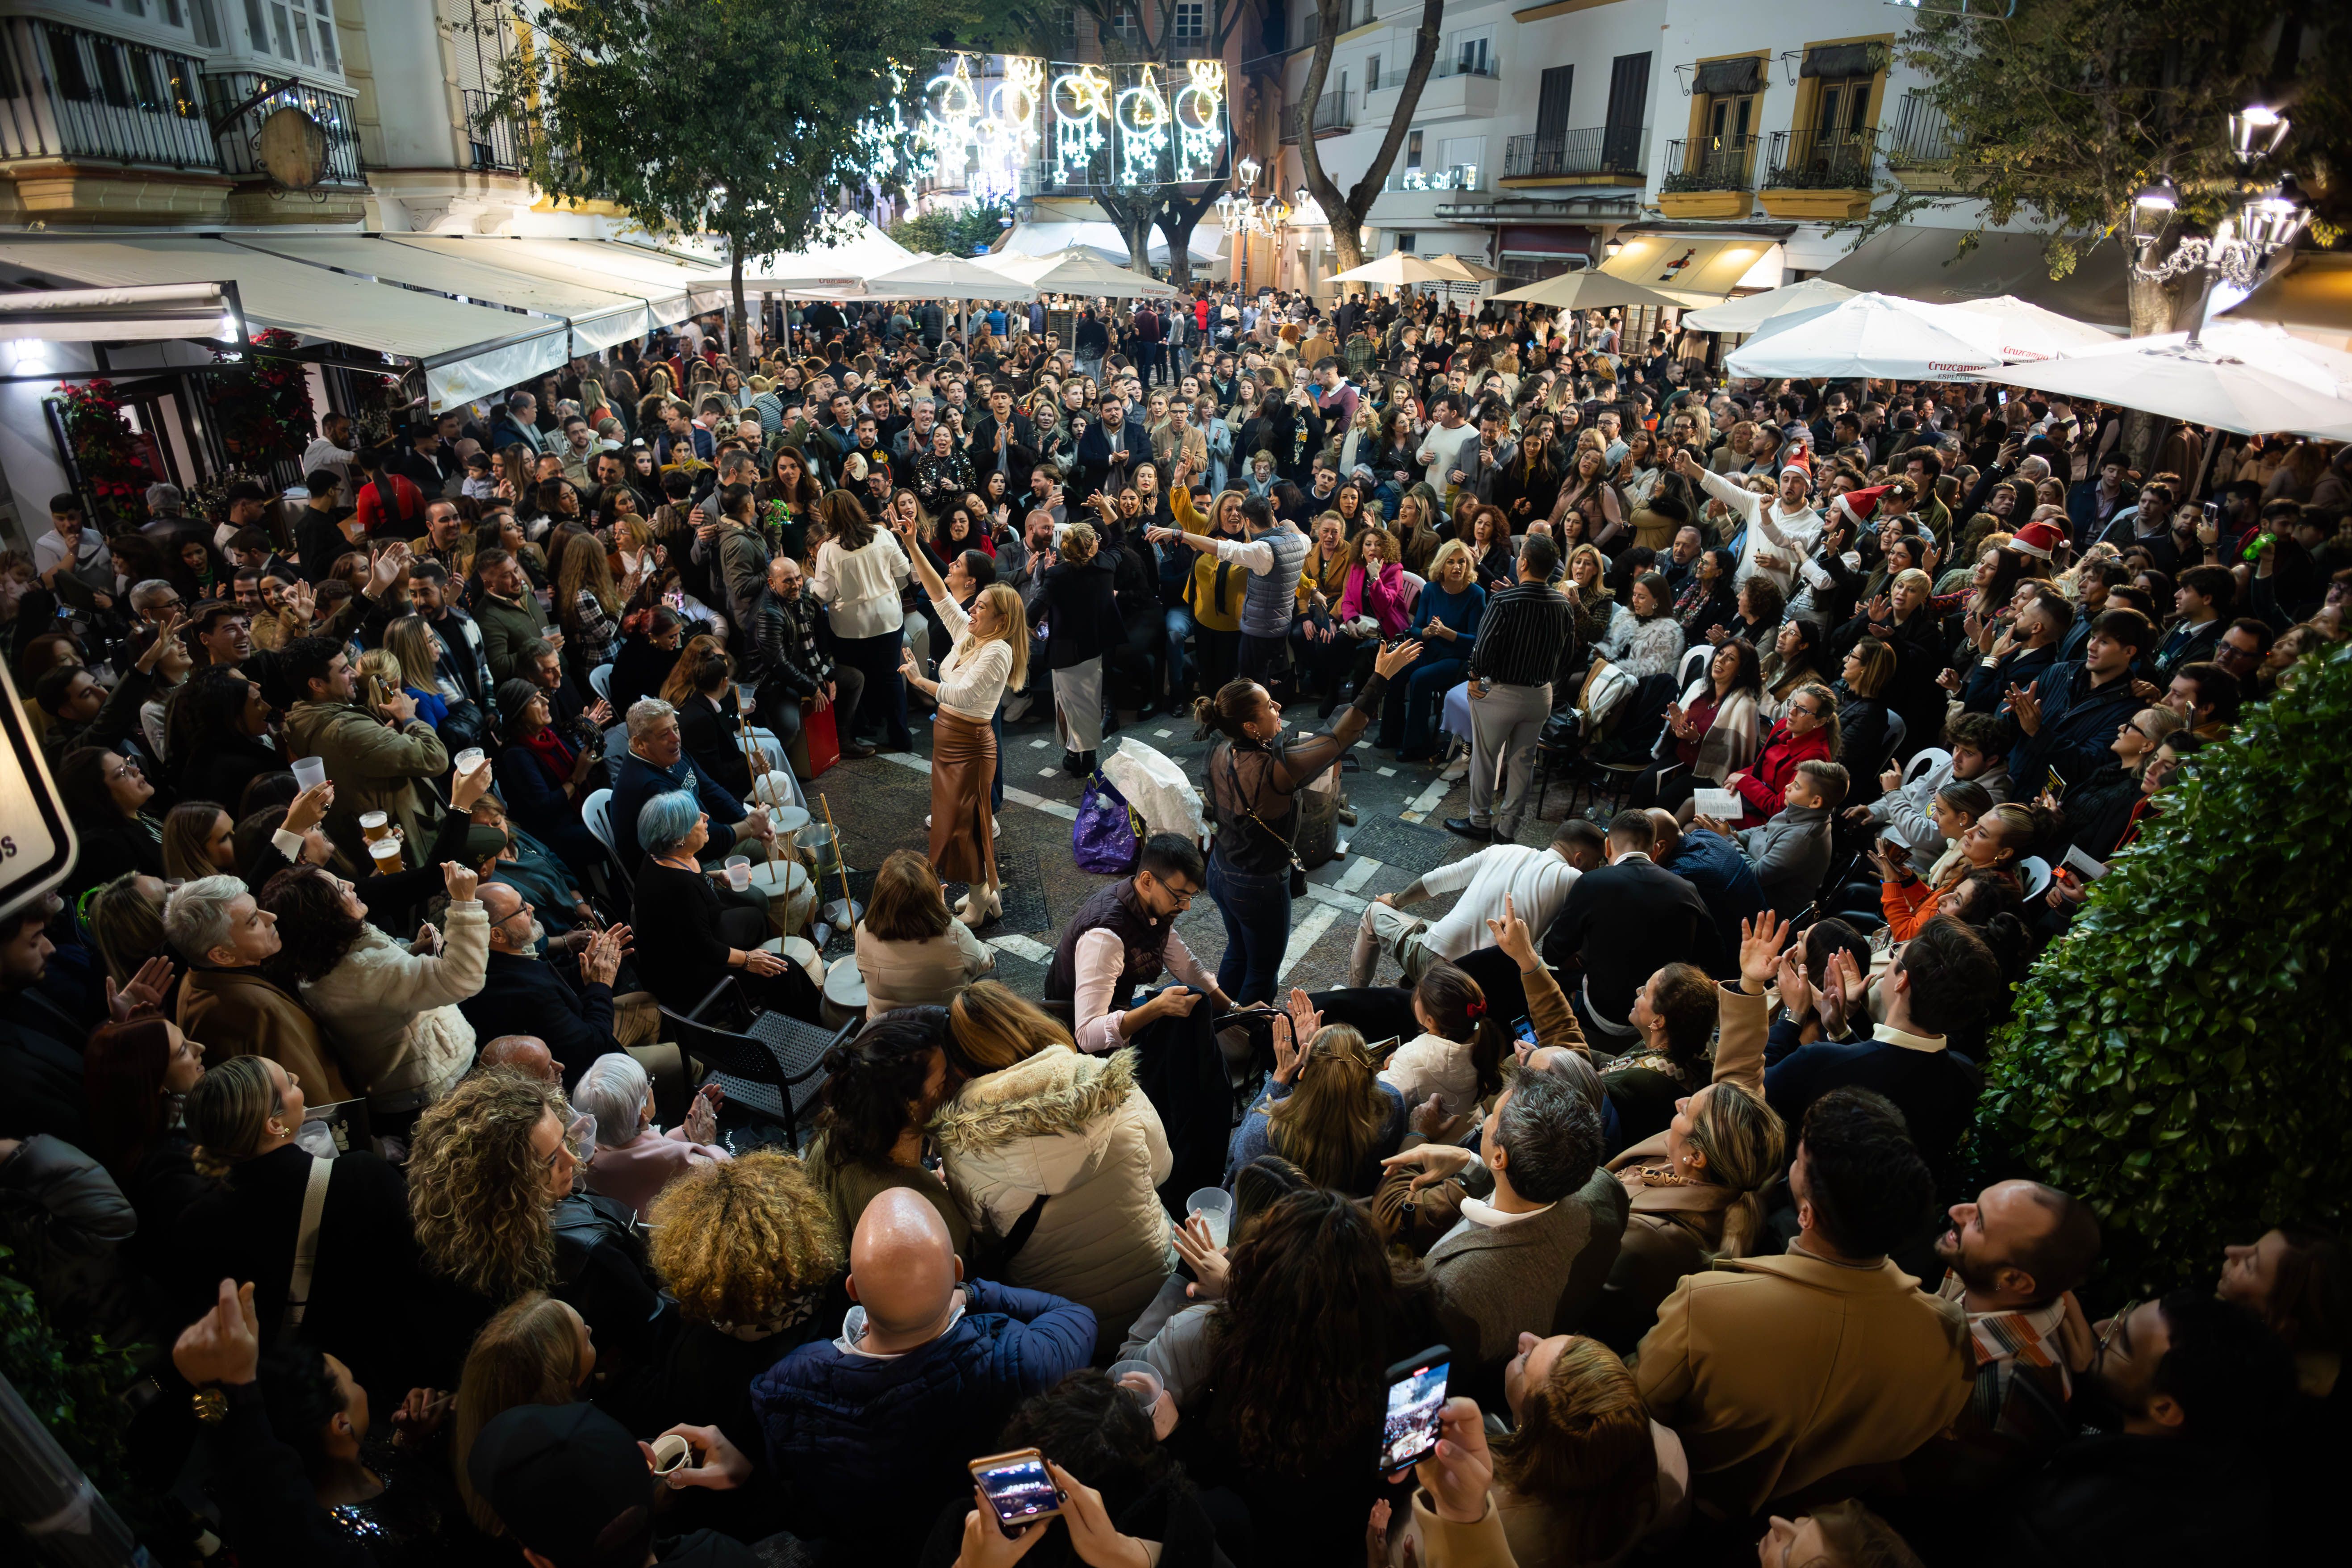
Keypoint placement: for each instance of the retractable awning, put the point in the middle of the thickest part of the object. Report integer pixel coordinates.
(1696, 269)
(150, 313)
(667, 299)
(1926, 264)
(598, 318)
(466, 350)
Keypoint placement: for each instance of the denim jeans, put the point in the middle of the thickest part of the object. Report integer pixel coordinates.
(1257, 911)
(1180, 628)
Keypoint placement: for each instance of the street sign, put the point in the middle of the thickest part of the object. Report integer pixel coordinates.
(36, 840)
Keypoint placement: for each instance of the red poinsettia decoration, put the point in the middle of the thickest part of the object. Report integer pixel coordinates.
(106, 453)
(261, 404)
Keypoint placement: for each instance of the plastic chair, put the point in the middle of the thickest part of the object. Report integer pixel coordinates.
(2034, 871)
(1925, 760)
(597, 811)
(599, 681)
(766, 1063)
(1895, 731)
(1693, 664)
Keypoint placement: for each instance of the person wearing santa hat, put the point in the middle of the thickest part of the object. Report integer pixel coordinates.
(1781, 528)
(2041, 539)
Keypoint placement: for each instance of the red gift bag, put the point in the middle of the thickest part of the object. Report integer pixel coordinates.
(818, 745)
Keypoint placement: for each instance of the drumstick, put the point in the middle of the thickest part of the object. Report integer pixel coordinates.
(840, 861)
(757, 762)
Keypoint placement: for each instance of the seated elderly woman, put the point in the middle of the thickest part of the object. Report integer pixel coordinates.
(687, 942)
(635, 1160)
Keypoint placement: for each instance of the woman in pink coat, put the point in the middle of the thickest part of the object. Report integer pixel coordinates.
(635, 1160)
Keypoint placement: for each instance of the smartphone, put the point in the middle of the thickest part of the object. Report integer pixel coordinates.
(1017, 1486)
(1523, 1031)
(1416, 1399)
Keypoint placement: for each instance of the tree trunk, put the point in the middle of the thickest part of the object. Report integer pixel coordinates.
(735, 282)
(2155, 309)
(1345, 211)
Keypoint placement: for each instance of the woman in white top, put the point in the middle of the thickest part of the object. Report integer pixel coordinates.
(909, 952)
(990, 652)
(860, 570)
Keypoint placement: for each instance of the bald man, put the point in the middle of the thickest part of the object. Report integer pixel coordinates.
(525, 1054)
(874, 1434)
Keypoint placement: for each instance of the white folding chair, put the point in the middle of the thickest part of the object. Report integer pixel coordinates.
(597, 811)
(599, 681)
(2035, 873)
(1693, 664)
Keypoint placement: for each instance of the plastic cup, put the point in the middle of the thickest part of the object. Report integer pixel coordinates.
(469, 759)
(310, 772)
(1215, 1207)
(1142, 1372)
(385, 855)
(374, 824)
(853, 1326)
(739, 872)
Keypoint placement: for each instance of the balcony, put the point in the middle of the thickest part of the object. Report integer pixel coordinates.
(496, 145)
(1821, 174)
(1708, 177)
(80, 110)
(1460, 87)
(1918, 149)
(1333, 117)
(1603, 155)
(335, 113)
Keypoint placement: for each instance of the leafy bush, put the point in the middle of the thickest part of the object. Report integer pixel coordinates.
(953, 232)
(2182, 1059)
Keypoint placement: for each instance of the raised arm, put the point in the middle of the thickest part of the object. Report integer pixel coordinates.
(1304, 759)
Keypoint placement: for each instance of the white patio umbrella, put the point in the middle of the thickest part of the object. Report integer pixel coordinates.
(1873, 334)
(1397, 270)
(1748, 313)
(1078, 270)
(2246, 377)
(931, 277)
(2029, 331)
(859, 250)
(1588, 290)
(1465, 270)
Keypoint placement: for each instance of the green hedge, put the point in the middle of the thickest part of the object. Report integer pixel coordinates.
(2183, 1058)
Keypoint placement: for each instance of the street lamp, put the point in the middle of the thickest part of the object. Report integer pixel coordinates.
(2242, 242)
(1610, 247)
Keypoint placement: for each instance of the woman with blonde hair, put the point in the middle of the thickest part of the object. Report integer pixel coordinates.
(911, 952)
(680, 683)
(537, 1351)
(1416, 529)
(1039, 1126)
(1584, 1476)
(988, 655)
(199, 840)
(750, 1251)
(1994, 842)
(125, 917)
(1326, 1109)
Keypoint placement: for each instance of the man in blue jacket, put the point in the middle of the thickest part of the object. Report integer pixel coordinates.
(874, 1434)
(2067, 719)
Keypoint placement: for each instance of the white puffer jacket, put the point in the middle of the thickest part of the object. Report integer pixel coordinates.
(391, 1016)
(1077, 1130)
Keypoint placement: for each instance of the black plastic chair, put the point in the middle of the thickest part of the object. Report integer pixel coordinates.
(766, 1063)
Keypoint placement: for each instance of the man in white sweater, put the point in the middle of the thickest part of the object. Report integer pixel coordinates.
(1781, 528)
(1534, 882)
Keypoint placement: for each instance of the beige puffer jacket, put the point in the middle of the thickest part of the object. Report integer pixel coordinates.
(391, 1016)
(1076, 1129)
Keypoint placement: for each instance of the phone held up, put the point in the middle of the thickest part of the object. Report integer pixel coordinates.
(1017, 1486)
(1416, 1400)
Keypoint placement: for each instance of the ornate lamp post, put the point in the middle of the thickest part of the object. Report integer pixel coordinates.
(2241, 244)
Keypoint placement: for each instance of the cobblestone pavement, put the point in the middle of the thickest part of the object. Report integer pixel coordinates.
(879, 803)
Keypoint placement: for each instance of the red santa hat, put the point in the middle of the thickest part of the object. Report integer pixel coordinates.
(2039, 540)
(1859, 506)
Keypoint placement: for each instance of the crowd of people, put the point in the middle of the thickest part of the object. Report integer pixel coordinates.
(341, 1082)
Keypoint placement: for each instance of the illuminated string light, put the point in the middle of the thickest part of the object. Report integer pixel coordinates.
(1143, 121)
(1200, 121)
(1082, 112)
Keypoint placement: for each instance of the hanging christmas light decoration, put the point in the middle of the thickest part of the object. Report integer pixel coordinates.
(1143, 121)
(1200, 121)
(1081, 103)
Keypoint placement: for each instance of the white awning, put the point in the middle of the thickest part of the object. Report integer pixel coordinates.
(861, 251)
(150, 313)
(466, 350)
(598, 318)
(666, 300)
(1206, 242)
(1698, 270)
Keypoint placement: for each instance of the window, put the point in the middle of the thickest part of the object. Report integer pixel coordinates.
(1412, 149)
(1732, 115)
(207, 23)
(132, 7)
(112, 86)
(1124, 22)
(1460, 161)
(302, 36)
(1191, 20)
(174, 15)
(1629, 105)
(1406, 243)
(1842, 109)
(1372, 74)
(146, 80)
(1470, 57)
(1552, 104)
(280, 26)
(65, 62)
(255, 29)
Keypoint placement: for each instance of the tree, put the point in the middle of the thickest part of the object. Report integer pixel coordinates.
(2065, 111)
(2182, 1059)
(959, 232)
(1347, 210)
(741, 119)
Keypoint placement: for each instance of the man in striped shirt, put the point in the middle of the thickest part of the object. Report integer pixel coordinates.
(1510, 690)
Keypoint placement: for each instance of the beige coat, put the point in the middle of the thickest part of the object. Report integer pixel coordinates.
(1778, 1372)
(392, 1015)
(1077, 1129)
(237, 1013)
(375, 767)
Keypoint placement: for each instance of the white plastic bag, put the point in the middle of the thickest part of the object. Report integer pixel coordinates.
(1156, 788)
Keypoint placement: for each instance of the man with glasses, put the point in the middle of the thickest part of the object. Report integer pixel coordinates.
(2241, 651)
(1121, 938)
(524, 994)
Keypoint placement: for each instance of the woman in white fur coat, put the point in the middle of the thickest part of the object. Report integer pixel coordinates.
(1072, 1137)
(388, 1008)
